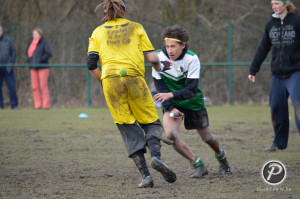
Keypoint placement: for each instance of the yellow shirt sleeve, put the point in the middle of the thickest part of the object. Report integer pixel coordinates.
(93, 43)
(146, 44)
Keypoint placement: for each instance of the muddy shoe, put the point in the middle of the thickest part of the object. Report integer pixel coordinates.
(199, 172)
(161, 167)
(146, 182)
(224, 164)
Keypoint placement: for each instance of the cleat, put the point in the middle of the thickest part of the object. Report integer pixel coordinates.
(146, 182)
(161, 167)
(199, 172)
(224, 164)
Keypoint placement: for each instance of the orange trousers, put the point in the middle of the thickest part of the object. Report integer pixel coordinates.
(39, 82)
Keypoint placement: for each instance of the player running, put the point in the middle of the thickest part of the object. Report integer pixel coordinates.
(183, 100)
(121, 45)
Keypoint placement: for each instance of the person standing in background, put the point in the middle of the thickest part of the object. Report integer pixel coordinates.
(282, 34)
(38, 55)
(7, 56)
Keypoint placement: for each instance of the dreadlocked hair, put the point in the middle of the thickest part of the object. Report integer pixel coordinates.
(176, 32)
(112, 9)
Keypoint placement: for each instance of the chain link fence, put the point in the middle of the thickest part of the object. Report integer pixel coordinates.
(228, 43)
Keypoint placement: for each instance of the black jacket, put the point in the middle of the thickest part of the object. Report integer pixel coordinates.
(7, 51)
(284, 38)
(41, 55)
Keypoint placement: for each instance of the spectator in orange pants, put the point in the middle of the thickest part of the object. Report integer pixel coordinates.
(39, 81)
(38, 55)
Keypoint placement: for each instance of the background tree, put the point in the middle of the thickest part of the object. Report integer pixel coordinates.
(68, 24)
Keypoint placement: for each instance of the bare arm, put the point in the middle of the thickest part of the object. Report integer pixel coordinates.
(154, 60)
(97, 74)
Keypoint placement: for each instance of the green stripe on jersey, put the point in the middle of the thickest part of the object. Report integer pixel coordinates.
(189, 52)
(168, 75)
(195, 103)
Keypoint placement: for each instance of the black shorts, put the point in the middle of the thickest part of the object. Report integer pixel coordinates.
(195, 119)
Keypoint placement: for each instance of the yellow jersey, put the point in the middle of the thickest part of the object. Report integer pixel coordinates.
(120, 44)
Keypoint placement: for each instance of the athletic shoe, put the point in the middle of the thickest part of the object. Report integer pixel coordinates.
(273, 148)
(161, 167)
(146, 182)
(224, 164)
(199, 172)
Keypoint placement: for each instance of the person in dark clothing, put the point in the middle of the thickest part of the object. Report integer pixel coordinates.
(7, 56)
(38, 55)
(282, 34)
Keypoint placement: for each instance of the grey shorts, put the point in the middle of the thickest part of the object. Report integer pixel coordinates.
(135, 136)
(195, 119)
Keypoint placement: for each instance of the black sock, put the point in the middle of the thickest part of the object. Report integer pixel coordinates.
(154, 147)
(140, 162)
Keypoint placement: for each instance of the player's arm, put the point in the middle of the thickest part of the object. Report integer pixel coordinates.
(154, 60)
(92, 61)
(164, 95)
(190, 90)
(96, 73)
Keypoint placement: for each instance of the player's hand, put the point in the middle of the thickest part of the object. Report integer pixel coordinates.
(166, 65)
(251, 78)
(175, 113)
(161, 97)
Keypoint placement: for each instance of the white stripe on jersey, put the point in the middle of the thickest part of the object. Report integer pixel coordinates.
(188, 67)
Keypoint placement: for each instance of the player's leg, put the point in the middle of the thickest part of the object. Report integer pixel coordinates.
(10, 82)
(35, 88)
(134, 140)
(294, 91)
(142, 106)
(220, 154)
(210, 139)
(153, 136)
(171, 127)
(44, 76)
(279, 113)
(116, 96)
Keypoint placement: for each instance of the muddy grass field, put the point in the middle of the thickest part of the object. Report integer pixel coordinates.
(54, 154)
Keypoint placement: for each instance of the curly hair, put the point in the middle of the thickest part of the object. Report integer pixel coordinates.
(176, 32)
(112, 9)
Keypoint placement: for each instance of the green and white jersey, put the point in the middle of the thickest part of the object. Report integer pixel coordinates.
(186, 67)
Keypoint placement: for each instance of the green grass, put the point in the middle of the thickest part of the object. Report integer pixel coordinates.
(55, 154)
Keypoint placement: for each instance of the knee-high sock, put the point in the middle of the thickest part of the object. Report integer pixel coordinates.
(140, 162)
(154, 147)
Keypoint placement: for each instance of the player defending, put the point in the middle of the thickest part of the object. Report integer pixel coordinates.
(121, 44)
(180, 95)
